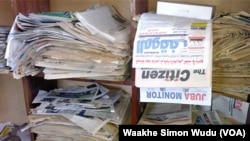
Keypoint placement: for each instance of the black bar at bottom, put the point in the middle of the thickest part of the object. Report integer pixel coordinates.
(163, 132)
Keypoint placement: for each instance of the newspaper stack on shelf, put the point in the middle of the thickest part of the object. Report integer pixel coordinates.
(172, 56)
(70, 45)
(57, 127)
(4, 31)
(90, 112)
(231, 55)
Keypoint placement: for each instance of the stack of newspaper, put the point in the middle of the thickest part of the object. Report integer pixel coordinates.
(4, 31)
(231, 55)
(172, 56)
(90, 112)
(91, 44)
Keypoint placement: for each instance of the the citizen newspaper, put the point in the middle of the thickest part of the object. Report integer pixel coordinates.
(175, 77)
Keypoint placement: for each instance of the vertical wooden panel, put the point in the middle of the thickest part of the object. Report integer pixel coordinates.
(71, 5)
(31, 86)
(122, 6)
(27, 6)
(136, 7)
(12, 104)
(6, 17)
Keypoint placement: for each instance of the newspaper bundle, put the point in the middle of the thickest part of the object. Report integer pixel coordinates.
(62, 44)
(90, 112)
(231, 75)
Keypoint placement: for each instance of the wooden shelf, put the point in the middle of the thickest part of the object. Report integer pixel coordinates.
(128, 81)
(32, 85)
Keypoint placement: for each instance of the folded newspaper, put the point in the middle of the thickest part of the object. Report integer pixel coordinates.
(233, 108)
(166, 114)
(93, 97)
(115, 29)
(209, 118)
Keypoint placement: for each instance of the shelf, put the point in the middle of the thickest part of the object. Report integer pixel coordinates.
(32, 84)
(128, 81)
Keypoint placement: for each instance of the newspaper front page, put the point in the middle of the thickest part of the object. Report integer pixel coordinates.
(163, 41)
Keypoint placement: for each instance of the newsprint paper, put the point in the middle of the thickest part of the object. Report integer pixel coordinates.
(194, 95)
(166, 114)
(172, 77)
(163, 41)
(149, 77)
